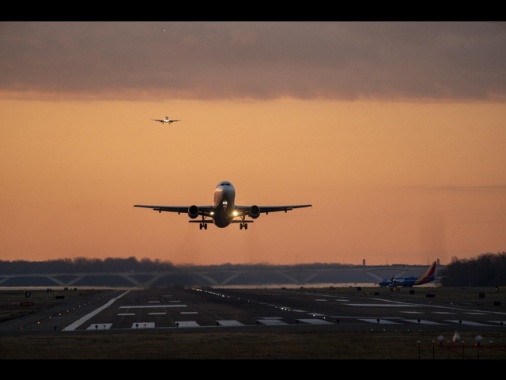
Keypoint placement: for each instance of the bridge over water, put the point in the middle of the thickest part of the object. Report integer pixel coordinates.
(216, 277)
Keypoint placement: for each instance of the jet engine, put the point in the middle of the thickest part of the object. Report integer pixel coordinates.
(254, 212)
(193, 211)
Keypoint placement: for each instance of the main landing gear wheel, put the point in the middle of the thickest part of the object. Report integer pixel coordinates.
(243, 225)
(203, 225)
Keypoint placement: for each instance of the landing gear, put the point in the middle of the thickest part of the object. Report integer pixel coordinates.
(203, 225)
(243, 223)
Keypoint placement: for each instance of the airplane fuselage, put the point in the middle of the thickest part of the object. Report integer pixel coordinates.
(425, 278)
(407, 281)
(224, 203)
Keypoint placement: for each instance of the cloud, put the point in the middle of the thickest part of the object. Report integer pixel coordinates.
(415, 61)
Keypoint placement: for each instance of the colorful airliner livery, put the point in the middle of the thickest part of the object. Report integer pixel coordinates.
(166, 120)
(428, 276)
(224, 211)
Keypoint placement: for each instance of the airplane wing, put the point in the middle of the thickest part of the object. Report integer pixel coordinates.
(267, 209)
(203, 210)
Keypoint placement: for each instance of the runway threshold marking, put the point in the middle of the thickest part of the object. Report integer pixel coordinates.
(229, 323)
(187, 324)
(143, 325)
(313, 321)
(379, 321)
(271, 322)
(423, 322)
(467, 323)
(99, 326)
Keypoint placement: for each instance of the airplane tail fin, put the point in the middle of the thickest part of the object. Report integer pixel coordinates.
(428, 276)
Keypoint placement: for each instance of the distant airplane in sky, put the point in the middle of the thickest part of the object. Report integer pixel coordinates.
(224, 210)
(166, 120)
(393, 282)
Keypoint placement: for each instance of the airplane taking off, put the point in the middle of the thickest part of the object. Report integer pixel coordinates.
(393, 282)
(224, 210)
(166, 120)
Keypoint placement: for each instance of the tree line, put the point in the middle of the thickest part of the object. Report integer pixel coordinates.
(488, 269)
(84, 265)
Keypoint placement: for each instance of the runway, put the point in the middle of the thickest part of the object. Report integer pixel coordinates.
(343, 309)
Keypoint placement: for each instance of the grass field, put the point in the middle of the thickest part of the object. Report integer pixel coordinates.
(295, 343)
(300, 344)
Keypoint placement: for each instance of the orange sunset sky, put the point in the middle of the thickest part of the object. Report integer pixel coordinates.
(395, 132)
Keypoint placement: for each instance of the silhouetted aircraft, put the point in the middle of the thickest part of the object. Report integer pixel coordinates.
(425, 278)
(166, 120)
(224, 210)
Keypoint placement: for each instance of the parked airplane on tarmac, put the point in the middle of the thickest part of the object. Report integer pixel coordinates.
(224, 210)
(428, 276)
(167, 120)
